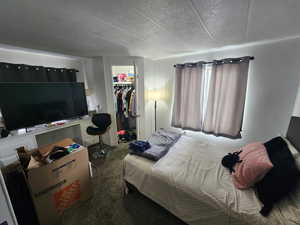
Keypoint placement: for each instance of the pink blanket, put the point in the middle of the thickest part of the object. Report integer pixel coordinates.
(254, 166)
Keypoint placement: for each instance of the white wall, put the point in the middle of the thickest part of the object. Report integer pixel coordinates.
(149, 79)
(274, 78)
(94, 78)
(297, 104)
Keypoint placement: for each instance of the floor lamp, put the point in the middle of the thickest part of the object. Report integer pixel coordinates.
(155, 95)
(155, 107)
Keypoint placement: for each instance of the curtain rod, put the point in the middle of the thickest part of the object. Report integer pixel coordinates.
(221, 61)
(27, 67)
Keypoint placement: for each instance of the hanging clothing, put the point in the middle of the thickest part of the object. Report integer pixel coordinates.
(119, 101)
(132, 104)
(125, 106)
(127, 98)
(125, 101)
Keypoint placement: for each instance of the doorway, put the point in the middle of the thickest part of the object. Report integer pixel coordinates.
(124, 83)
(136, 67)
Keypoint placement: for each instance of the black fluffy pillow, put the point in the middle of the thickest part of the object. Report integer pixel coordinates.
(282, 179)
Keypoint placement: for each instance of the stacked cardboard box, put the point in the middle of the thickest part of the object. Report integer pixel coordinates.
(59, 185)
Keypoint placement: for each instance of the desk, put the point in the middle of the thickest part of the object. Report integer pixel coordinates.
(75, 129)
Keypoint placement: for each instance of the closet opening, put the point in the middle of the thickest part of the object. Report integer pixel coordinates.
(125, 102)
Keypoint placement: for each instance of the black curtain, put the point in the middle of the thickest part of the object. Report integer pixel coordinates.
(61, 75)
(26, 73)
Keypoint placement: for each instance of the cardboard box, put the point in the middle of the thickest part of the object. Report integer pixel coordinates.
(59, 185)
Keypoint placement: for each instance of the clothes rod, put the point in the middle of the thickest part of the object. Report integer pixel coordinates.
(122, 84)
(221, 61)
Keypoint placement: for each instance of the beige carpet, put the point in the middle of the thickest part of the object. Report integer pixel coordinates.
(108, 205)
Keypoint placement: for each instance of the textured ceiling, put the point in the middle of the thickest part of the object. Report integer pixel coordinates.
(150, 28)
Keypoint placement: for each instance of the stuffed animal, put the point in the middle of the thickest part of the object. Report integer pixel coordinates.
(230, 160)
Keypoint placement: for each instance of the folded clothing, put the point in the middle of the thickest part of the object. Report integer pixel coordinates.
(160, 143)
(154, 153)
(164, 137)
(139, 146)
(160, 140)
(174, 135)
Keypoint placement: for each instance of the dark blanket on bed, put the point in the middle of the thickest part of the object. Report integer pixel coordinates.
(282, 179)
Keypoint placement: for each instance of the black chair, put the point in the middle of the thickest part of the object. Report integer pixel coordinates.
(102, 121)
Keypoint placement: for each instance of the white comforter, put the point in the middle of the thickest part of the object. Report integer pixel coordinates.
(191, 182)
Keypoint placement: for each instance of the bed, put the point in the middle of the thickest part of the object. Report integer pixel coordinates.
(191, 183)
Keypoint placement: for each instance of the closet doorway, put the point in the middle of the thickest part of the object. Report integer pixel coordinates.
(136, 67)
(124, 83)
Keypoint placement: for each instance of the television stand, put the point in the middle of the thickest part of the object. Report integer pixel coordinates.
(75, 129)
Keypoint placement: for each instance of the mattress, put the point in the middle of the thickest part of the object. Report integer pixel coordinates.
(191, 183)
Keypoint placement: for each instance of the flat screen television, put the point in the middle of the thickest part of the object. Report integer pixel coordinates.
(25, 105)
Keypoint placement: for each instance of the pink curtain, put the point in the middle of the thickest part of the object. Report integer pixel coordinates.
(211, 100)
(187, 108)
(226, 99)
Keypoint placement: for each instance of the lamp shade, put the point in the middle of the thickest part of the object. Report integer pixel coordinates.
(89, 92)
(155, 94)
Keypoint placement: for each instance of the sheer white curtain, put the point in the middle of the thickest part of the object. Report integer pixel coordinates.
(211, 97)
(206, 77)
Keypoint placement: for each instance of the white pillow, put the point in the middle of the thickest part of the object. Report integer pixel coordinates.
(293, 150)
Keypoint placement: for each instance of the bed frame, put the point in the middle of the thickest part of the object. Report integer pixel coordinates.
(293, 133)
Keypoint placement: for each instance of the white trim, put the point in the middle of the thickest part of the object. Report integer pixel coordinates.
(109, 101)
(140, 89)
